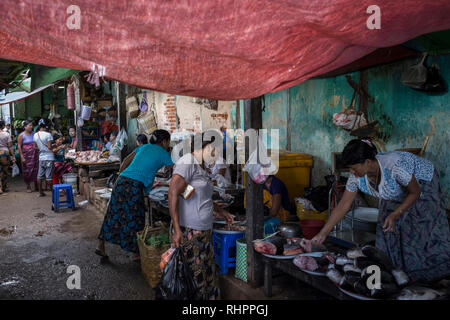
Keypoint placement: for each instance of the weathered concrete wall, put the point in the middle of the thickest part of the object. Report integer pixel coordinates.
(407, 116)
(191, 116)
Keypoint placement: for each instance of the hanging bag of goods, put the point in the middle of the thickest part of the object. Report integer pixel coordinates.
(147, 120)
(132, 107)
(350, 119)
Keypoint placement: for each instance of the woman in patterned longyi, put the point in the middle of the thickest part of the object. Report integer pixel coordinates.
(412, 228)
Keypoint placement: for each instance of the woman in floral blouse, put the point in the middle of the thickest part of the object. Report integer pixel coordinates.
(412, 227)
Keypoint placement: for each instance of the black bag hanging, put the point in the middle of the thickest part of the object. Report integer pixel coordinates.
(422, 78)
(435, 82)
(177, 281)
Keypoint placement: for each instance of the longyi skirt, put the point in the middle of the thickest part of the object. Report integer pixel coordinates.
(125, 215)
(420, 243)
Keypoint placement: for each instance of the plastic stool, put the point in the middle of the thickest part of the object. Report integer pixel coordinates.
(59, 204)
(225, 250)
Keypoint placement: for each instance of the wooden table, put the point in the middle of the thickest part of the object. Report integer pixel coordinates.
(321, 283)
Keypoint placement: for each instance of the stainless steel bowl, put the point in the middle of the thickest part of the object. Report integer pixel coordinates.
(290, 230)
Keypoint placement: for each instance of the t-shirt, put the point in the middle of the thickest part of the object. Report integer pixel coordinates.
(397, 168)
(5, 139)
(278, 187)
(148, 160)
(41, 139)
(197, 211)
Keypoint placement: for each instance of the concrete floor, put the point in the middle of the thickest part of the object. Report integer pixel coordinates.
(37, 245)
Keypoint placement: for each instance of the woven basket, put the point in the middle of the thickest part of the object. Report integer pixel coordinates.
(150, 255)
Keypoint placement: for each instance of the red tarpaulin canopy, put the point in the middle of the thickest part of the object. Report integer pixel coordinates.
(221, 49)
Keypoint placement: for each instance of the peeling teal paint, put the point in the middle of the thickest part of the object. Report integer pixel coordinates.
(406, 116)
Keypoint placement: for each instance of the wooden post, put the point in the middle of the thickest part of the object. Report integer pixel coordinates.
(77, 112)
(121, 98)
(254, 199)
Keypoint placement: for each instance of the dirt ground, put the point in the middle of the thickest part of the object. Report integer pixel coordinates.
(38, 245)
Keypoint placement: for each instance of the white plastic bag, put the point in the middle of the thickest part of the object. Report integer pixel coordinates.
(349, 120)
(15, 170)
(122, 139)
(259, 171)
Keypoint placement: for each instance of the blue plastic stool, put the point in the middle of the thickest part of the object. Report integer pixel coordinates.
(225, 250)
(59, 204)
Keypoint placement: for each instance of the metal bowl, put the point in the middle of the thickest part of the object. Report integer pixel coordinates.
(290, 230)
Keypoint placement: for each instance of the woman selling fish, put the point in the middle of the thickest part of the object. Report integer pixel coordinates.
(192, 218)
(126, 210)
(412, 227)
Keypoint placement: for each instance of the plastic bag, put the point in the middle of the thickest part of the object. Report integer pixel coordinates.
(422, 78)
(177, 281)
(260, 172)
(122, 139)
(15, 170)
(349, 119)
(110, 183)
(165, 258)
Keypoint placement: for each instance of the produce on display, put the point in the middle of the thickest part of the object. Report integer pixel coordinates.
(292, 249)
(273, 245)
(306, 263)
(92, 156)
(419, 293)
(157, 240)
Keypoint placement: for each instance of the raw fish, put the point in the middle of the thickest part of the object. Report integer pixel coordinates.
(334, 275)
(378, 256)
(419, 293)
(355, 253)
(401, 277)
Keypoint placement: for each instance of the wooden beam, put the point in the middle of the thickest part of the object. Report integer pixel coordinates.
(77, 112)
(121, 98)
(254, 200)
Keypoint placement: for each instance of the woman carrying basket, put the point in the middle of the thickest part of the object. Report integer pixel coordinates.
(125, 215)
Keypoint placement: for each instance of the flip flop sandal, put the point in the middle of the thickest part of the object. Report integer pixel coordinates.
(101, 254)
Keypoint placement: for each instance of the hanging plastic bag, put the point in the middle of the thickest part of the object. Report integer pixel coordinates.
(422, 78)
(15, 170)
(416, 76)
(144, 106)
(122, 139)
(259, 171)
(177, 281)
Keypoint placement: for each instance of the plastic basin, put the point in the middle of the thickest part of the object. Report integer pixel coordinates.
(311, 227)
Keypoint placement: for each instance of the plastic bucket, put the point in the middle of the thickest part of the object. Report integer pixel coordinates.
(311, 227)
(241, 259)
(70, 178)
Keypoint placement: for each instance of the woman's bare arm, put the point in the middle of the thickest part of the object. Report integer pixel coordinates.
(19, 146)
(276, 204)
(176, 187)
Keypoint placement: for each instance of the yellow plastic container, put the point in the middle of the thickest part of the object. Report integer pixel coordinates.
(295, 171)
(305, 214)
